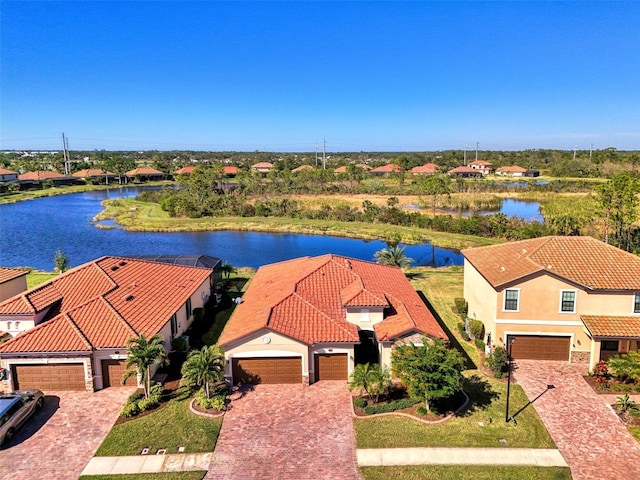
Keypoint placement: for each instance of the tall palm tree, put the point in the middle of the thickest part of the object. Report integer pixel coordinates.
(203, 368)
(142, 353)
(394, 256)
(370, 379)
(227, 269)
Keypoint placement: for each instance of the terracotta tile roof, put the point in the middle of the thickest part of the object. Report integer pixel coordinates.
(230, 170)
(301, 168)
(512, 169)
(426, 168)
(262, 165)
(388, 168)
(585, 261)
(144, 171)
(305, 299)
(343, 169)
(185, 170)
(92, 172)
(463, 169)
(41, 175)
(481, 163)
(57, 335)
(106, 301)
(8, 274)
(4, 171)
(612, 326)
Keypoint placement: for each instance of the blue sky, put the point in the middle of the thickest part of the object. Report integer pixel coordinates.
(283, 76)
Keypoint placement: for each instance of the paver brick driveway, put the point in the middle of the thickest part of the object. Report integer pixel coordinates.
(288, 432)
(590, 437)
(59, 440)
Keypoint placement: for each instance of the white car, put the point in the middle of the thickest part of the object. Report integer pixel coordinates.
(15, 408)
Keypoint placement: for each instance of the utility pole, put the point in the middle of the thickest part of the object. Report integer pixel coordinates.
(575, 148)
(465, 154)
(324, 157)
(65, 155)
(316, 154)
(590, 150)
(477, 144)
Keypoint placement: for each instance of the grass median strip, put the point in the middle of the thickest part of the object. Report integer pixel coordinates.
(465, 472)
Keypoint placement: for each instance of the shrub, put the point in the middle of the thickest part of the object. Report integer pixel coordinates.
(498, 361)
(391, 406)
(148, 403)
(134, 397)
(476, 327)
(421, 410)
(463, 332)
(480, 344)
(461, 306)
(216, 402)
(179, 344)
(130, 409)
(198, 313)
(359, 402)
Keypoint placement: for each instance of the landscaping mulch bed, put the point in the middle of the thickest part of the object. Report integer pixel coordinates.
(615, 387)
(439, 409)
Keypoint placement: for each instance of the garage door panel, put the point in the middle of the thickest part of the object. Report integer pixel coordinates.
(55, 376)
(540, 347)
(267, 370)
(112, 372)
(331, 366)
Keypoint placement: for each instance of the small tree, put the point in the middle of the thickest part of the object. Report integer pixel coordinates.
(227, 269)
(394, 256)
(360, 378)
(60, 261)
(203, 369)
(142, 353)
(371, 379)
(429, 372)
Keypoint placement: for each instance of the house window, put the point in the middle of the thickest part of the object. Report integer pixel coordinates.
(174, 325)
(8, 325)
(609, 346)
(511, 298)
(364, 315)
(568, 301)
(189, 308)
(636, 303)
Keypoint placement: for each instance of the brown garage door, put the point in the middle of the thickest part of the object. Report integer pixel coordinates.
(267, 370)
(538, 347)
(331, 366)
(112, 372)
(56, 376)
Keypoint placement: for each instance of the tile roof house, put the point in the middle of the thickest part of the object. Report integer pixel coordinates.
(426, 169)
(12, 282)
(511, 171)
(387, 169)
(262, 167)
(8, 175)
(74, 328)
(312, 318)
(465, 172)
(185, 170)
(561, 298)
(302, 168)
(40, 176)
(230, 170)
(482, 166)
(343, 168)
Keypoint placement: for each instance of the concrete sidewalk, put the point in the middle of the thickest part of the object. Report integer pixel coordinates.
(381, 457)
(175, 462)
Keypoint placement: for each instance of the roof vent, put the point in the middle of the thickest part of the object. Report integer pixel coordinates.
(114, 268)
(122, 263)
(128, 298)
(502, 269)
(524, 250)
(549, 267)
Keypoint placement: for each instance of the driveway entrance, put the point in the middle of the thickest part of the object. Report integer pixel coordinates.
(587, 432)
(288, 432)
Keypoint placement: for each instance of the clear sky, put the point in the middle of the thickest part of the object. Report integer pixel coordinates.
(283, 76)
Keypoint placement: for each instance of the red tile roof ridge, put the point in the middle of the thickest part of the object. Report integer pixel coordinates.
(8, 347)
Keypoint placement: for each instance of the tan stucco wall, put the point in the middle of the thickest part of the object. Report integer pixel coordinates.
(13, 287)
(481, 298)
(355, 316)
(109, 354)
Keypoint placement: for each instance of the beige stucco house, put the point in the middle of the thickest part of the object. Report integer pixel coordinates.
(313, 318)
(74, 328)
(560, 298)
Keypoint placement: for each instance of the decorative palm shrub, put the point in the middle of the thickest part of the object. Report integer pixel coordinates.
(204, 369)
(373, 380)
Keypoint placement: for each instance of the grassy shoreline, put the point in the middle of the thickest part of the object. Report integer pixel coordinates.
(134, 215)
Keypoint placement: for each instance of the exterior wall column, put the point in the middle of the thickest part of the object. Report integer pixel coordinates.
(595, 354)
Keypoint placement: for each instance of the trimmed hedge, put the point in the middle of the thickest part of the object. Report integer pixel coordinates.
(391, 406)
(461, 306)
(463, 332)
(476, 327)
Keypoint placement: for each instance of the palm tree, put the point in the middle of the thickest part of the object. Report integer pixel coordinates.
(203, 368)
(360, 378)
(227, 269)
(394, 256)
(142, 353)
(371, 379)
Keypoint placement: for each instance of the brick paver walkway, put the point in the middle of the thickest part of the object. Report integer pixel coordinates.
(58, 441)
(288, 432)
(593, 441)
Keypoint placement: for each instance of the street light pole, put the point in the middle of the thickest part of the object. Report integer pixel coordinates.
(510, 348)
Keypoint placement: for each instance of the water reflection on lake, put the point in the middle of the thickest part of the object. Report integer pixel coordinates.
(32, 231)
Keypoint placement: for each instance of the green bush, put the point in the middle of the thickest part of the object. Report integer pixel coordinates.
(130, 409)
(476, 327)
(179, 344)
(461, 306)
(134, 397)
(391, 406)
(216, 402)
(148, 403)
(198, 313)
(359, 402)
(421, 410)
(480, 344)
(498, 361)
(463, 332)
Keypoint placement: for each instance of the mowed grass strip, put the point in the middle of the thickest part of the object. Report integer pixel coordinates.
(36, 277)
(170, 427)
(194, 475)
(465, 472)
(482, 424)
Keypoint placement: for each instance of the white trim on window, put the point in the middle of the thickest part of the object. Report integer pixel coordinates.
(364, 315)
(562, 301)
(517, 300)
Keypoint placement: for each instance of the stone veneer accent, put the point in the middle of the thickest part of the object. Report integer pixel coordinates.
(580, 357)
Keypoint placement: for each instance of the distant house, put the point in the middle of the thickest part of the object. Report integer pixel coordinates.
(39, 177)
(185, 170)
(230, 170)
(143, 174)
(387, 169)
(482, 166)
(465, 172)
(575, 299)
(74, 328)
(426, 169)
(12, 282)
(302, 168)
(314, 318)
(511, 171)
(8, 175)
(262, 167)
(95, 174)
(343, 169)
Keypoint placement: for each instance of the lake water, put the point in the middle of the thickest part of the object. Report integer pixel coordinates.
(32, 231)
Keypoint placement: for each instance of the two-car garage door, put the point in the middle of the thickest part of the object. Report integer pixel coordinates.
(267, 370)
(540, 347)
(55, 376)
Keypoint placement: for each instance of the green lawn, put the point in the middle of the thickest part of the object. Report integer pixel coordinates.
(465, 472)
(195, 475)
(172, 426)
(635, 431)
(36, 277)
